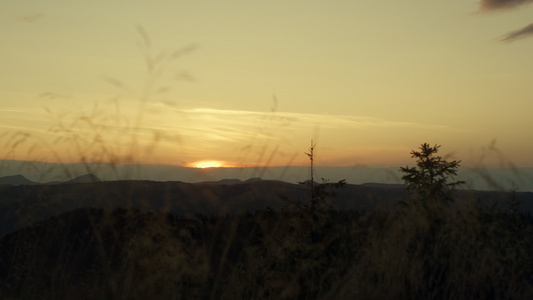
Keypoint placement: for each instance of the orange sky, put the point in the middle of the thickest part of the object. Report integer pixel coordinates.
(249, 83)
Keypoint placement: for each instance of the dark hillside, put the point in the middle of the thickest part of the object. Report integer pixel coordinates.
(23, 205)
(16, 180)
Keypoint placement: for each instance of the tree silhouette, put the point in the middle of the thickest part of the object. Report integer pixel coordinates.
(320, 192)
(311, 157)
(430, 178)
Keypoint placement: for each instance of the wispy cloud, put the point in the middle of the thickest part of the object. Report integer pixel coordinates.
(526, 31)
(31, 18)
(12, 110)
(502, 4)
(494, 5)
(303, 120)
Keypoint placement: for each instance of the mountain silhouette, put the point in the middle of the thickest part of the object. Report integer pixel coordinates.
(25, 204)
(84, 179)
(16, 180)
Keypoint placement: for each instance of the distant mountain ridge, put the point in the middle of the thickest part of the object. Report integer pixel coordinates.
(478, 178)
(17, 180)
(238, 181)
(84, 179)
(40, 201)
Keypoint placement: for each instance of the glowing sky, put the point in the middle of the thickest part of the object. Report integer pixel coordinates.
(252, 82)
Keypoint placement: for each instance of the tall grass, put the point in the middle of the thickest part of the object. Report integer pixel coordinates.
(429, 252)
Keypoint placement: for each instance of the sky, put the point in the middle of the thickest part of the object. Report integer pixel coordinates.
(252, 83)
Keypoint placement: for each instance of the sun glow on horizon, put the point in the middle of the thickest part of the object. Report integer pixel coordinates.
(207, 164)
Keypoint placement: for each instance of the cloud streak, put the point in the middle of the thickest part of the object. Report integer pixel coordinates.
(31, 18)
(242, 119)
(526, 31)
(12, 110)
(502, 4)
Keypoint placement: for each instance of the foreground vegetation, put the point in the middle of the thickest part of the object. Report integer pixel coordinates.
(430, 246)
(417, 251)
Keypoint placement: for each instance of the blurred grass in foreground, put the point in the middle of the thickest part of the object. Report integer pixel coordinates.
(429, 252)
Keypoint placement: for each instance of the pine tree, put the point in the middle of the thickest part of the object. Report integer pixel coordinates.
(430, 179)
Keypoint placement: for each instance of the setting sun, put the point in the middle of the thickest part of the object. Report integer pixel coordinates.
(207, 164)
